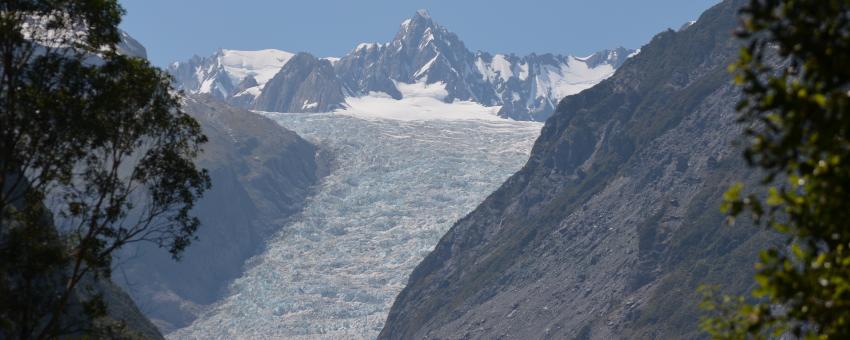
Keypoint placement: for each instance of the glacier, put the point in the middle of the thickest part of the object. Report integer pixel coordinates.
(395, 187)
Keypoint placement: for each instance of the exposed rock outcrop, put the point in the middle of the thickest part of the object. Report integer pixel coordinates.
(304, 84)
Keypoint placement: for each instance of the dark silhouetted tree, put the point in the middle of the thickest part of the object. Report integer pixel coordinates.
(94, 139)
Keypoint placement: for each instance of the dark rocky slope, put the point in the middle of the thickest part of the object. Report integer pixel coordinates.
(304, 84)
(123, 318)
(261, 175)
(614, 222)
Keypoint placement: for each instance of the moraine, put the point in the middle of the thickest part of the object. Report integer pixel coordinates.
(395, 188)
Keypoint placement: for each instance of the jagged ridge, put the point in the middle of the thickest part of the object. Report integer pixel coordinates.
(526, 87)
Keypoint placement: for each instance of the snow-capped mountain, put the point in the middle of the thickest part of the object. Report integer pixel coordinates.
(524, 87)
(235, 76)
(529, 87)
(421, 52)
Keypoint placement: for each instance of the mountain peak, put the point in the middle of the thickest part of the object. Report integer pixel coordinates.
(419, 19)
(423, 13)
(419, 31)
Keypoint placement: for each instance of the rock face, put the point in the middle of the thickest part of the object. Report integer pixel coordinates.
(122, 309)
(304, 84)
(614, 222)
(261, 173)
(422, 51)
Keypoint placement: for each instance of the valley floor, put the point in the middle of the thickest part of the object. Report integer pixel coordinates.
(395, 188)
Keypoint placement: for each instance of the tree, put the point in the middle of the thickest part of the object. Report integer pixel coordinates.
(796, 108)
(93, 138)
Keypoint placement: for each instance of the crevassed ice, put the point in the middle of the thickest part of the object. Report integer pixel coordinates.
(396, 187)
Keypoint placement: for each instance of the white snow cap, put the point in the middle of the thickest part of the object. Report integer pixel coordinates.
(423, 13)
(262, 64)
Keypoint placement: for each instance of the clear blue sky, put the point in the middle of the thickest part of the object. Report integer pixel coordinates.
(177, 29)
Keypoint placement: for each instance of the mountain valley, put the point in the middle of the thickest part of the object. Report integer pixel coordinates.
(690, 187)
(348, 184)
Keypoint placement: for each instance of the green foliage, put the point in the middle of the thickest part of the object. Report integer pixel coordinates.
(89, 136)
(796, 83)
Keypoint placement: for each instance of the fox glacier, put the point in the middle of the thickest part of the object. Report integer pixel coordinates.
(399, 178)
